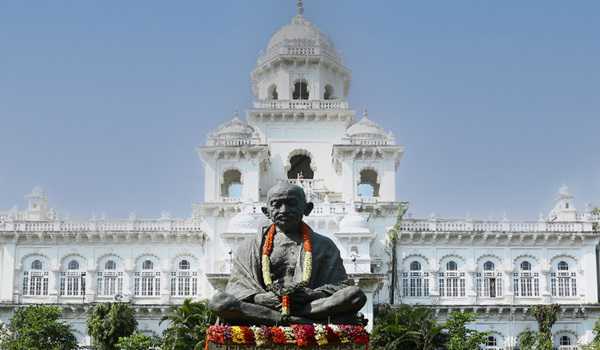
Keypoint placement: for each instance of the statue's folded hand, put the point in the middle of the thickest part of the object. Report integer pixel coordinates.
(268, 299)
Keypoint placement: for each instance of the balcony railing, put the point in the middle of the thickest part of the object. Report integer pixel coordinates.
(302, 104)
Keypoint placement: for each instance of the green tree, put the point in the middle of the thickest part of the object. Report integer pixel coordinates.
(461, 337)
(546, 316)
(407, 328)
(137, 341)
(38, 328)
(528, 340)
(595, 344)
(108, 322)
(187, 326)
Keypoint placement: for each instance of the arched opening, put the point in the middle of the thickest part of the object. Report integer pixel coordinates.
(184, 282)
(451, 266)
(368, 187)
(110, 281)
(300, 167)
(36, 265)
(147, 280)
(72, 281)
(565, 340)
(328, 94)
(273, 94)
(563, 281)
(415, 282)
(35, 280)
(489, 283)
(451, 282)
(300, 90)
(526, 283)
(526, 266)
(415, 266)
(73, 265)
(231, 187)
(491, 342)
(563, 266)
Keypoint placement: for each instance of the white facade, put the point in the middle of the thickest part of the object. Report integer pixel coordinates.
(301, 130)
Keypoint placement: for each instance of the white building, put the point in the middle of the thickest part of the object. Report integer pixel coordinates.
(301, 129)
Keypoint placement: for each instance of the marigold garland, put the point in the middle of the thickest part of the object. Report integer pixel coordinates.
(300, 335)
(305, 230)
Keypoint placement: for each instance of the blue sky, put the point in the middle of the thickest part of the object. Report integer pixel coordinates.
(103, 102)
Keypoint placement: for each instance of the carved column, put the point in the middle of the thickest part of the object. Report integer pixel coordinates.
(54, 282)
(165, 292)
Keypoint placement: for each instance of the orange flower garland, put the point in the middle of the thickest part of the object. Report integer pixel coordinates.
(266, 262)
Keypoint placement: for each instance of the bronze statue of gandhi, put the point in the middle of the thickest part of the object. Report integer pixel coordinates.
(289, 273)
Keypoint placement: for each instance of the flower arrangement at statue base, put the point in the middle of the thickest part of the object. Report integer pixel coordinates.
(317, 336)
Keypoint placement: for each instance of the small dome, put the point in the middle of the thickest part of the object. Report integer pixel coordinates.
(300, 34)
(365, 130)
(243, 222)
(234, 132)
(354, 222)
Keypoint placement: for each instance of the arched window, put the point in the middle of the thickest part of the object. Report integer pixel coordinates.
(565, 340)
(273, 94)
(35, 280)
(109, 280)
(368, 186)
(489, 282)
(147, 280)
(452, 283)
(147, 265)
(415, 283)
(231, 187)
(491, 343)
(525, 282)
(563, 281)
(300, 167)
(328, 95)
(72, 281)
(73, 265)
(300, 90)
(184, 281)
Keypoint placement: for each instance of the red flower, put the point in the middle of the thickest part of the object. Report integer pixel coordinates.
(304, 334)
(278, 336)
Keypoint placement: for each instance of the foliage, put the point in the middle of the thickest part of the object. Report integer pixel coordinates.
(108, 322)
(38, 328)
(187, 326)
(546, 316)
(137, 341)
(407, 328)
(528, 340)
(595, 344)
(596, 211)
(461, 337)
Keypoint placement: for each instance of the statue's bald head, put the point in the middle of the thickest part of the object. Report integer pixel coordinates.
(285, 188)
(286, 205)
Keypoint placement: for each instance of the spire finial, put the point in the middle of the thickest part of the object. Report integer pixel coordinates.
(366, 113)
(300, 5)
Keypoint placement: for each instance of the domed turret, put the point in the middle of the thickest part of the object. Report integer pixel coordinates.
(300, 66)
(366, 131)
(233, 133)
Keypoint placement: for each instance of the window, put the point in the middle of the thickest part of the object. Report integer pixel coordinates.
(72, 281)
(147, 280)
(525, 282)
(565, 340)
(368, 186)
(328, 95)
(452, 283)
(489, 282)
(491, 343)
(273, 95)
(231, 187)
(184, 282)
(300, 90)
(35, 280)
(109, 280)
(300, 167)
(416, 282)
(563, 282)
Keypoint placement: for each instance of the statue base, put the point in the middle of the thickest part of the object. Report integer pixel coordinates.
(317, 336)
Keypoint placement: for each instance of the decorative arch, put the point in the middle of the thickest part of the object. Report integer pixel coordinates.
(230, 178)
(573, 337)
(489, 257)
(139, 260)
(419, 257)
(558, 257)
(300, 161)
(499, 340)
(329, 92)
(184, 282)
(369, 182)
(300, 89)
(74, 256)
(28, 259)
(454, 257)
(272, 93)
(109, 256)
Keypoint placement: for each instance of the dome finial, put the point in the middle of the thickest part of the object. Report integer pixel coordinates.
(365, 112)
(300, 5)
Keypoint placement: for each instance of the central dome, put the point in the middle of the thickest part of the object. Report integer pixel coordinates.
(301, 38)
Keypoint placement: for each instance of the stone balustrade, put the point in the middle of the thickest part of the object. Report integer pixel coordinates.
(293, 51)
(302, 104)
(138, 226)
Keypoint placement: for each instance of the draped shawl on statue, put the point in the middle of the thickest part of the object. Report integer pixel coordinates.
(328, 272)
